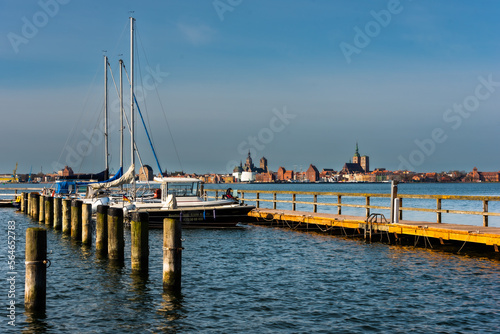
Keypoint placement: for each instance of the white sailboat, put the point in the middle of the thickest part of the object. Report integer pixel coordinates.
(177, 198)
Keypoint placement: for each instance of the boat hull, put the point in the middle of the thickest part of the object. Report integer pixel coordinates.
(208, 217)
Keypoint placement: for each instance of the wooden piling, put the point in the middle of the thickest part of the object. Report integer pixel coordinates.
(139, 230)
(76, 220)
(86, 224)
(28, 205)
(41, 209)
(49, 211)
(394, 195)
(485, 211)
(36, 270)
(57, 213)
(116, 249)
(34, 205)
(66, 216)
(172, 254)
(101, 234)
(24, 202)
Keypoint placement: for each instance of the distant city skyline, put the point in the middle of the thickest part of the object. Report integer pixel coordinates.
(415, 83)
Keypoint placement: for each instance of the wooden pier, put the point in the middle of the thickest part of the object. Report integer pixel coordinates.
(270, 211)
(377, 229)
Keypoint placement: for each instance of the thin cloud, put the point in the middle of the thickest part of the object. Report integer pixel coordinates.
(196, 34)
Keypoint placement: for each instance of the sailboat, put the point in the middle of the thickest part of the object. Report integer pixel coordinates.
(177, 198)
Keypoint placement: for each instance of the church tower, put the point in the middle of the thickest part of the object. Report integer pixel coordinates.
(249, 167)
(356, 157)
(263, 164)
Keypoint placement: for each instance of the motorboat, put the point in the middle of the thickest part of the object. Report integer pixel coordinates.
(181, 199)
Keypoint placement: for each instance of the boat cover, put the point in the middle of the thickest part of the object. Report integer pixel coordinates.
(115, 182)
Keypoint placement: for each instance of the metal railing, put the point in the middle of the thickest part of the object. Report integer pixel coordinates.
(254, 196)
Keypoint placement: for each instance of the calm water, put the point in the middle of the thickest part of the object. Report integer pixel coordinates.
(258, 280)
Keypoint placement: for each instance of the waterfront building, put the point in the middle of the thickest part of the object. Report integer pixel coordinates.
(146, 173)
(265, 177)
(363, 161)
(263, 165)
(67, 171)
(248, 172)
(359, 164)
(237, 172)
(284, 175)
(476, 176)
(312, 173)
(249, 166)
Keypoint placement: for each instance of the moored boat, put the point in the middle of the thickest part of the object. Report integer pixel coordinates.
(180, 199)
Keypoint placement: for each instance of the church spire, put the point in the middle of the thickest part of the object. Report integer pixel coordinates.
(357, 151)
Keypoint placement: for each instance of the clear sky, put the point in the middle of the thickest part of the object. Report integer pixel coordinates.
(415, 83)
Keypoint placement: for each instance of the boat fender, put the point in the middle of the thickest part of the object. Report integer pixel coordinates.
(128, 208)
(100, 201)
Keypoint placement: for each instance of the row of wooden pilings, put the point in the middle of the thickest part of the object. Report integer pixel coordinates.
(74, 218)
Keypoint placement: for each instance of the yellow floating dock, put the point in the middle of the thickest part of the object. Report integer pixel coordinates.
(376, 225)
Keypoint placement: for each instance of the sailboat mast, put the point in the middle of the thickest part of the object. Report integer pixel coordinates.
(106, 155)
(132, 125)
(121, 113)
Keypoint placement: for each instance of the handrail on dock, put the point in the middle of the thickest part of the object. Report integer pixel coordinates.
(243, 196)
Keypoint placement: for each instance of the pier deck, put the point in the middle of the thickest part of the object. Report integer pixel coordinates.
(489, 236)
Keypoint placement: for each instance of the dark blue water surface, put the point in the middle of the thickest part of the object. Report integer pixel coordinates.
(258, 280)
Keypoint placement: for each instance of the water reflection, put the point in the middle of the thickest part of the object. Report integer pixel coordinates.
(171, 309)
(36, 322)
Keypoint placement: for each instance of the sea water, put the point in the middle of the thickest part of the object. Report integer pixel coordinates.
(253, 280)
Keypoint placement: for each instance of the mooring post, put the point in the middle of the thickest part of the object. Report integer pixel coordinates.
(396, 211)
(400, 211)
(438, 210)
(485, 213)
(339, 204)
(394, 195)
(101, 229)
(294, 205)
(36, 270)
(49, 211)
(139, 230)
(28, 205)
(172, 254)
(86, 224)
(367, 202)
(34, 206)
(76, 220)
(57, 213)
(66, 216)
(24, 202)
(115, 234)
(41, 209)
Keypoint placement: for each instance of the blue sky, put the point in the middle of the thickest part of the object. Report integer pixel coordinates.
(415, 83)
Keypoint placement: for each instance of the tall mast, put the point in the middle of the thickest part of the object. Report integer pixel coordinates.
(132, 140)
(121, 113)
(106, 173)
